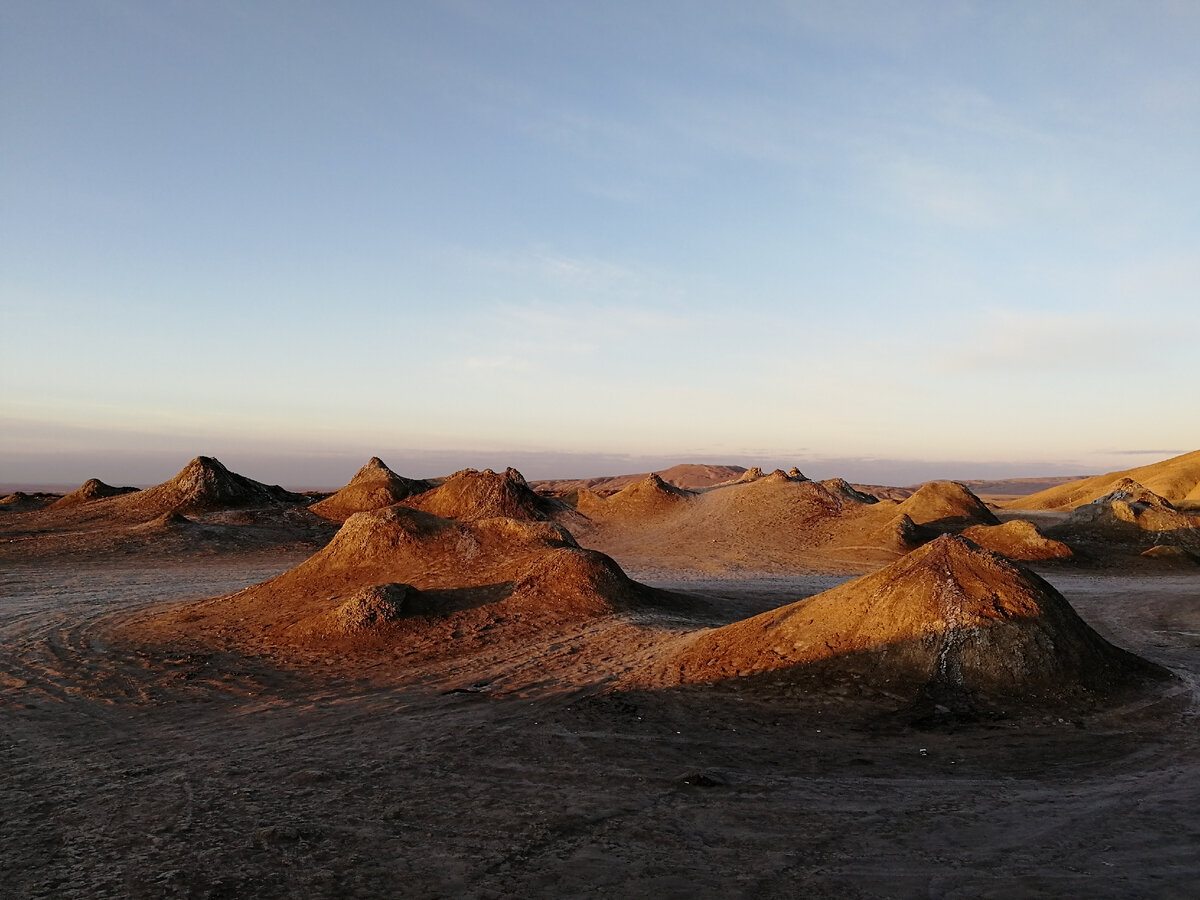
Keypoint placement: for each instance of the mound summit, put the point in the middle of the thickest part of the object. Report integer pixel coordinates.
(949, 617)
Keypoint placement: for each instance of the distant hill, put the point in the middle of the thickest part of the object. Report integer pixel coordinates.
(1176, 479)
(689, 476)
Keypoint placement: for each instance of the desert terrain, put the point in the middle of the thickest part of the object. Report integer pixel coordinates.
(706, 681)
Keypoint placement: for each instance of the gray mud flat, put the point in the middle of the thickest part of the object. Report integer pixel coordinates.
(165, 772)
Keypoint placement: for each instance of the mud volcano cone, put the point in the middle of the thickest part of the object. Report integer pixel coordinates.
(470, 495)
(1017, 539)
(92, 489)
(205, 484)
(947, 617)
(374, 486)
(947, 505)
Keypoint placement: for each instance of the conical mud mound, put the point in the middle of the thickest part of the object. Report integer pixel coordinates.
(92, 489)
(471, 495)
(399, 568)
(374, 486)
(947, 505)
(204, 485)
(948, 616)
(1018, 540)
(649, 498)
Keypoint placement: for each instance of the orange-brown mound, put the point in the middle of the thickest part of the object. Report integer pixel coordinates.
(374, 486)
(948, 615)
(1017, 539)
(470, 495)
(203, 485)
(947, 505)
(586, 582)
(401, 569)
(1169, 553)
(92, 489)
(649, 498)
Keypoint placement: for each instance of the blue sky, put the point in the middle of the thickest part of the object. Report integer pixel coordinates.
(858, 236)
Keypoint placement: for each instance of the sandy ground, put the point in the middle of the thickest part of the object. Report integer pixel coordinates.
(184, 772)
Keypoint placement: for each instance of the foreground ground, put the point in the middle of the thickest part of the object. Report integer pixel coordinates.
(184, 772)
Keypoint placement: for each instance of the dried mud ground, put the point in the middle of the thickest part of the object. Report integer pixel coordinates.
(131, 771)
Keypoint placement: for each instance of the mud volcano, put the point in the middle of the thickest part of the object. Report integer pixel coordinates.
(404, 570)
(948, 619)
(1017, 539)
(92, 489)
(204, 485)
(374, 486)
(470, 495)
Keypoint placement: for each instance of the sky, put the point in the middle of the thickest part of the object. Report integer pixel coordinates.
(884, 240)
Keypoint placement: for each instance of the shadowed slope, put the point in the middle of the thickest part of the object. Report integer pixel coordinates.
(24, 501)
(374, 486)
(948, 614)
(1176, 480)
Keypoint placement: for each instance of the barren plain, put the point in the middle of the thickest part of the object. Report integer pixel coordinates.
(215, 688)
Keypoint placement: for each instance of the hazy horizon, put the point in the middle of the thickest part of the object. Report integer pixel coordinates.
(330, 471)
(952, 235)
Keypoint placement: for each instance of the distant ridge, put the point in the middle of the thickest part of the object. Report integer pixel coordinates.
(1176, 479)
(689, 476)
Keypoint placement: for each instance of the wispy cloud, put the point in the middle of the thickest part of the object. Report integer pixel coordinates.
(503, 363)
(944, 194)
(1018, 341)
